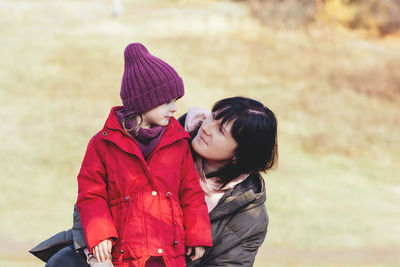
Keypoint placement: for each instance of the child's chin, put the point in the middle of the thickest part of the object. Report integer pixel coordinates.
(164, 122)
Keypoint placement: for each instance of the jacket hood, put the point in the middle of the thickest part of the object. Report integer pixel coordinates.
(247, 195)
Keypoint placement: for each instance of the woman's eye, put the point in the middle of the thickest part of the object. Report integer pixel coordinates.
(221, 129)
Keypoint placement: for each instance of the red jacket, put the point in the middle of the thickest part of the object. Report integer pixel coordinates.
(152, 208)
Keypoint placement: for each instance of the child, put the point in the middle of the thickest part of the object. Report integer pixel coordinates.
(139, 195)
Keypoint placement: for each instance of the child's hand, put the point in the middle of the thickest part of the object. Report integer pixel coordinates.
(198, 252)
(102, 251)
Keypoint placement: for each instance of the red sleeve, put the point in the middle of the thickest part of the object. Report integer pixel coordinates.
(92, 202)
(191, 197)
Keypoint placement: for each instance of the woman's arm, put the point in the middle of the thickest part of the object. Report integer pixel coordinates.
(242, 254)
(236, 239)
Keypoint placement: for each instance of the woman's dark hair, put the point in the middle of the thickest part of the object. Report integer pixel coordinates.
(254, 128)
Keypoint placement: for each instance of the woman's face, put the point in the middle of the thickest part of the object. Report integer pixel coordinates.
(214, 142)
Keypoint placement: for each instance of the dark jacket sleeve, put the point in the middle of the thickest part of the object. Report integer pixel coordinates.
(242, 254)
(78, 237)
(51, 246)
(46, 249)
(237, 242)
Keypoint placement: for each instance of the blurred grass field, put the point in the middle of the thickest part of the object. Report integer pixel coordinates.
(334, 198)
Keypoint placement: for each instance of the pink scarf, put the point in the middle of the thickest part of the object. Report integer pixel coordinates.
(212, 188)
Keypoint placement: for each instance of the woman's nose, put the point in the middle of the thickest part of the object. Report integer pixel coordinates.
(206, 128)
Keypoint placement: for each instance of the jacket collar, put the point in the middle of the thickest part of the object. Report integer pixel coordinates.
(248, 194)
(113, 132)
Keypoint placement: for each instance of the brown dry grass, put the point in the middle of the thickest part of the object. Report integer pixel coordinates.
(335, 93)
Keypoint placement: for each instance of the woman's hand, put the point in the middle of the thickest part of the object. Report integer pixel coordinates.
(198, 252)
(102, 251)
(194, 118)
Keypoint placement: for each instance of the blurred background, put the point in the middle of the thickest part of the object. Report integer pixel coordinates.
(330, 70)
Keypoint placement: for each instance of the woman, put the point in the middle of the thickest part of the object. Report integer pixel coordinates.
(230, 147)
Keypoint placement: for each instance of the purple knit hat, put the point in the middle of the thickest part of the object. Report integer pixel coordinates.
(147, 81)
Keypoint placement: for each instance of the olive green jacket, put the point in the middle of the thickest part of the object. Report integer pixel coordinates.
(238, 226)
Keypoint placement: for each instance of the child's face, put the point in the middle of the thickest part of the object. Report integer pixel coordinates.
(159, 115)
